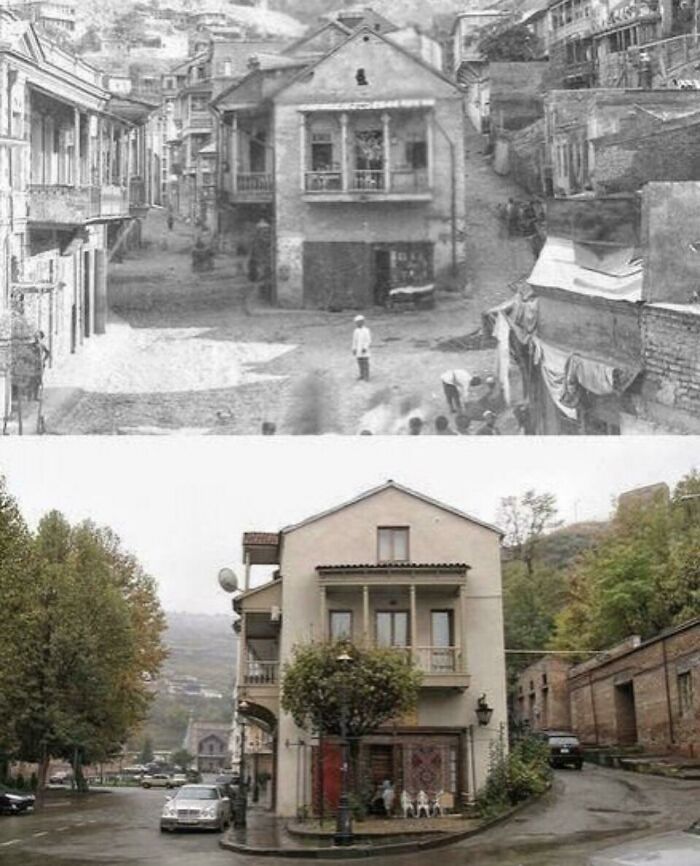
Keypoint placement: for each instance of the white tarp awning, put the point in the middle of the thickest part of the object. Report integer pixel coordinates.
(583, 269)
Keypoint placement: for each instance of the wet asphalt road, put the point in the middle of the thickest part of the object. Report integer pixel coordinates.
(584, 812)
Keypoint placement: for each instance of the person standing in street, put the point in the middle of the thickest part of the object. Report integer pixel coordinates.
(361, 342)
(456, 384)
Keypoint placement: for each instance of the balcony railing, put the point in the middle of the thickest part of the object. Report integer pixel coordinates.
(198, 119)
(437, 660)
(324, 181)
(401, 181)
(253, 183)
(72, 205)
(368, 180)
(261, 673)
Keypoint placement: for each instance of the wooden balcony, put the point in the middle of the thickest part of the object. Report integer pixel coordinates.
(253, 187)
(402, 184)
(58, 204)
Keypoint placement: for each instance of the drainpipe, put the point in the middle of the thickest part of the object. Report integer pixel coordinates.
(453, 198)
(593, 712)
(668, 693)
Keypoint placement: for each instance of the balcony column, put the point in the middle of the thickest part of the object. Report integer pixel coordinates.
(344, 151)
(243, 652)
(430, 147)
(302, 150)
(76, 147)
(234, 152)
(110, 153)
(100, 151)
(460, 636)
(129, 156)
(323, 612)
(386, 140)
(365, 615)
(414, 622)
(90, 151)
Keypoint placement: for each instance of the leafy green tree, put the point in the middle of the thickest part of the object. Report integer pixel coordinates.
(643, 575)
(181, 759)
(15, 566)
(510, 43)
(87, 644)
(375, 686)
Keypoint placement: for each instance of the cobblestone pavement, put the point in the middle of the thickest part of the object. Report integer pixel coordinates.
(196, 354)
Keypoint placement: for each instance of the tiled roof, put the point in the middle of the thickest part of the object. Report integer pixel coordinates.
(415, 566)
(261, 538)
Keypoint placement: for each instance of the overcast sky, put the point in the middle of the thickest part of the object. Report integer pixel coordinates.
(181, 504)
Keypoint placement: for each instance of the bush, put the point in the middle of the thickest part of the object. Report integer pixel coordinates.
(514, 776)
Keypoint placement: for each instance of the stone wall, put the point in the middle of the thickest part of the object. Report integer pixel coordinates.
(542, 695)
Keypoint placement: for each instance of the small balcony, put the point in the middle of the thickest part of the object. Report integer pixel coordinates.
(442, 667)
(253, 187)
(199, 120)
(58, 204)
(261, 673)
(401, 184)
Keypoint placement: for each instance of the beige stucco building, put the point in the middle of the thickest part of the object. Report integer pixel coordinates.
(392, 568)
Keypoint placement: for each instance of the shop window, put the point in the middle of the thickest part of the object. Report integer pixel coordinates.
(392, 544)
(685, 693)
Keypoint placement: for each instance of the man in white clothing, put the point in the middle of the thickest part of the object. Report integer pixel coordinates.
(361, 342)
(456, 384)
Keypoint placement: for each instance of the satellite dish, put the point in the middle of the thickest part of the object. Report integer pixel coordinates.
(228, 580)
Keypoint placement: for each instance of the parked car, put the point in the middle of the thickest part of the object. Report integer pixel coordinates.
(13, 802)
(564, 749)
(178, 779)
(197, 806)
(157, 780)
(62, 777)
(681, 848)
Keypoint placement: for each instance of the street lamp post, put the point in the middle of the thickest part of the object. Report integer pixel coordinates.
(343, 829)
(240, 812)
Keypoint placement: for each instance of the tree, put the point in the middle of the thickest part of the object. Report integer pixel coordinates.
(510, 43)
(181, 759)
(146, 754)
(642, 577)
(377, 685)
(525, 520)
(15, 566)
(87, 645)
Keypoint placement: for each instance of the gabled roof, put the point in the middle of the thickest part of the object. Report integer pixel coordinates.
(309, 37)
(357, 34)
(391, 485)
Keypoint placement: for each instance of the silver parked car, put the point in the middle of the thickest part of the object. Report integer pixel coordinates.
(681, 848)
(197, 806)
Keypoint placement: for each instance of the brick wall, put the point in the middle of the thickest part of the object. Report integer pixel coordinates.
(542, 695)
(671, 356)
(650, 696)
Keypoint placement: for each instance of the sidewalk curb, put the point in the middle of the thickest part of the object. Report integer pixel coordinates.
(358, 852)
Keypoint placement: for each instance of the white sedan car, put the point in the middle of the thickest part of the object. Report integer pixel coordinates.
(681, 848)
(197, 806)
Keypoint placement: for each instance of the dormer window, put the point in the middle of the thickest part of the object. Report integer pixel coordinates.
(392, 544)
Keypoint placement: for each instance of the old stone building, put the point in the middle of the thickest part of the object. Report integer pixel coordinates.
(65, 168)
(541, 700)
(358, 160)
(637, 693)
(642, 693)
